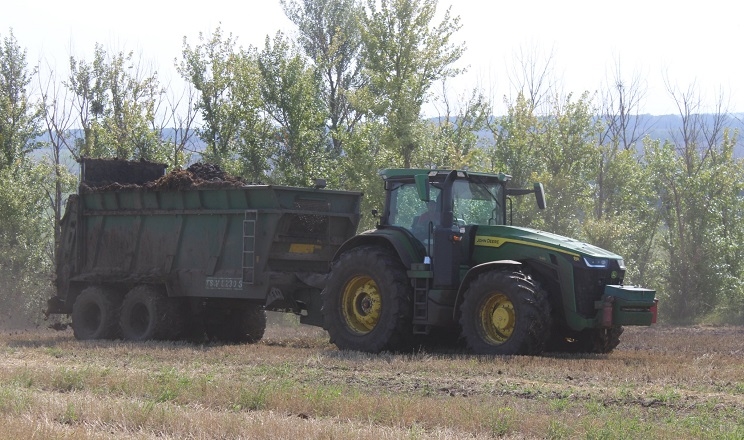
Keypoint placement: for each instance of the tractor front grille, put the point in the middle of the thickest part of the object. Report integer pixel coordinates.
(589, 286)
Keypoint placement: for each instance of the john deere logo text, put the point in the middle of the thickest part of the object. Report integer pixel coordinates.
(481, 240)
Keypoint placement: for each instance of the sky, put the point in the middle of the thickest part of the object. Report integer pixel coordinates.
(663, 43)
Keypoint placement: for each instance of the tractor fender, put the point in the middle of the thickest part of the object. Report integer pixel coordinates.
(477, 270)
(399, 240)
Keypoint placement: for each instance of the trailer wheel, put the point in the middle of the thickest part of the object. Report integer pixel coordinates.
(367, 302)
(253, 324)
(505, 313)
(95, 314)
(143, 314)
(238, 323)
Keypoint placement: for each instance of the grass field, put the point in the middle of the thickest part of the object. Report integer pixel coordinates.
(661, 383)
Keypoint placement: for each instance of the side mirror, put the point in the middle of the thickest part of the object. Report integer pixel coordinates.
(540, 195)
(422, 186)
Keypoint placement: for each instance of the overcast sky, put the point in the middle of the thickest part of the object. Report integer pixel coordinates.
(688, 43)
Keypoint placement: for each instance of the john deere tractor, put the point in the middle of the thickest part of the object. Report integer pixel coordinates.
(444, 260)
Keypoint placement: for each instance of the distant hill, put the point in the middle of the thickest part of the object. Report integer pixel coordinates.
(663, 127)
(666, 128)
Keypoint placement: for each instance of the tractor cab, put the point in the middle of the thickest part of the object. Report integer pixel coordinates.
(443, 209)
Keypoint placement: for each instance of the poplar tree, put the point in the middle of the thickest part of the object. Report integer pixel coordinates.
(404, 54)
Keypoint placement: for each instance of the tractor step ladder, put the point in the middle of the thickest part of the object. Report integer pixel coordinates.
(420, 299)
(421, 276)
(249, 246)
(420, 306)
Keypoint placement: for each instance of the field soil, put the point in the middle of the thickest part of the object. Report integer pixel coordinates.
(661, 382)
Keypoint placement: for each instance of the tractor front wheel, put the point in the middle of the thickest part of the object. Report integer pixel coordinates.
(592, 340)
(504, 313)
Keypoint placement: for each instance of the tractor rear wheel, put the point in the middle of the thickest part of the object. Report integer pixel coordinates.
(95, 314)
(504, 313)
(367, 302)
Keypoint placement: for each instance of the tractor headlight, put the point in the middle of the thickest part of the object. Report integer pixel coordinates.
(597, 263)
(621, 263)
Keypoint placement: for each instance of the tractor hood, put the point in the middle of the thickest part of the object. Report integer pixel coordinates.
(496, 236)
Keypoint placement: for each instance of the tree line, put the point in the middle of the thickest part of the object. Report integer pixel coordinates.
(342, 98)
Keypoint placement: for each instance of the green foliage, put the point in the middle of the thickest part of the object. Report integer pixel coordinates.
(255, 132)
(558, 149)
(26, 233)
(403, 57)
(19, 118)
(699, 190)
(452, 141)
(517, 143)
(234, 128)
(358, 169)
(26, 241)
(290, 91)
(330, 36)
(626, 219)
(115, 105)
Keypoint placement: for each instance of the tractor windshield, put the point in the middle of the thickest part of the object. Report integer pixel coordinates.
(478, 203)
(475, 203)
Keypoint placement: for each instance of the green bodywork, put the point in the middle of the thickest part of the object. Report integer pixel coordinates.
(582, 280)
(551, 253)
(262, 243)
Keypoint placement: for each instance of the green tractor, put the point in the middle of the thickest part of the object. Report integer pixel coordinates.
(444, 262)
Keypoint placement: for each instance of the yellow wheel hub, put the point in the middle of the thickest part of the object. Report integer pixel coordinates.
(497, 319)
(361, 304)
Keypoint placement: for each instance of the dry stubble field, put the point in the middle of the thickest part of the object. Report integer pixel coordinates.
(661, 382)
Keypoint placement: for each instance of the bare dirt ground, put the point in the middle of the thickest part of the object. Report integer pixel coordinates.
(661, 382)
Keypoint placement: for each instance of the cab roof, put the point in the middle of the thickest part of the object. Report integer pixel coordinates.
(408, 173)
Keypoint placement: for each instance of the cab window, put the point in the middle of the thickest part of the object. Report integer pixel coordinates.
(406, 206)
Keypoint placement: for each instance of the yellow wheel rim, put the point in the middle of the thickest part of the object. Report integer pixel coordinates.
(497, 319)
(361, 304)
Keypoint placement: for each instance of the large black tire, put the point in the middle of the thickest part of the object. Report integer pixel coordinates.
(593, 340)
(240, 323)
(95, 314)
(146, 314)
(504, 313)
(606, 340)
(367, 302)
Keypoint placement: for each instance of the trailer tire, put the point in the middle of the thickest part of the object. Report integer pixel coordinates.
(244, 323)
(505, 313)
(144, 314)
(95, 314)
(367, 302)
(252, 325)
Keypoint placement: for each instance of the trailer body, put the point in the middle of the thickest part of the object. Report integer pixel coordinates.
(263, 244)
